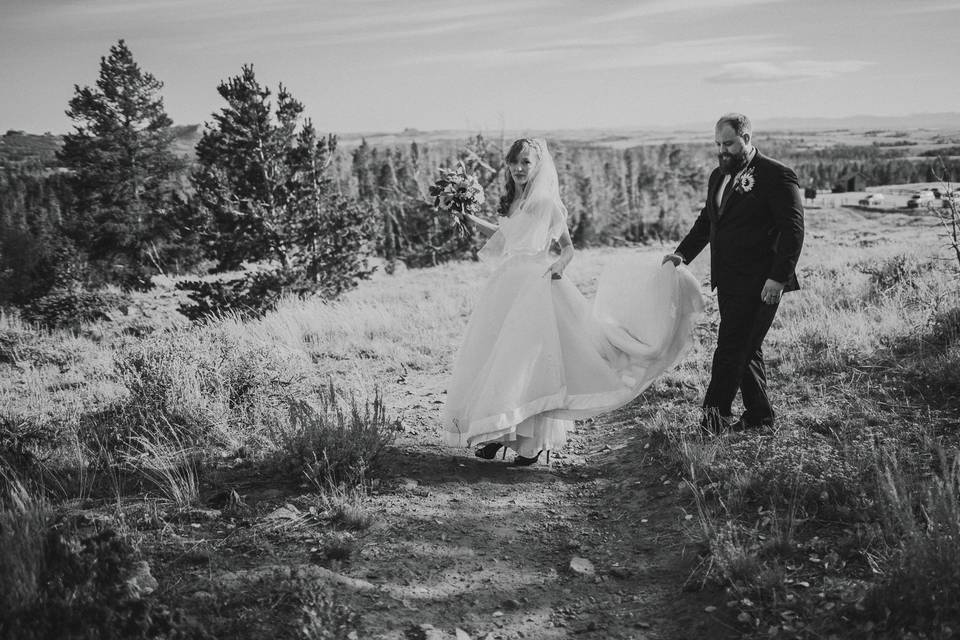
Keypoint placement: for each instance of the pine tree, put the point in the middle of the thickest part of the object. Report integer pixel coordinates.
(262, 182)
(124, 172)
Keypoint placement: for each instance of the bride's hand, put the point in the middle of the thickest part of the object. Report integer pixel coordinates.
(555, 270)
(566, 255)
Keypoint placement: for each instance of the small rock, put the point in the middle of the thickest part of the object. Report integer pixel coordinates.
(201, 515)
(203, 596)
(621, 573)
(286, 512)
(511, 604)
(582, 566)
(141, 582)
(461, 634)
(424, 632)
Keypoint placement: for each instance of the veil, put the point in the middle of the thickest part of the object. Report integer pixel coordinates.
(543, 187)
(541, 215)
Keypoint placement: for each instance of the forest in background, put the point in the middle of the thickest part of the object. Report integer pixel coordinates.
(641, 192)
(649, 192)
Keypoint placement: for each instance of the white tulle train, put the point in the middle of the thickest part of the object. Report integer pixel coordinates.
(537, 355)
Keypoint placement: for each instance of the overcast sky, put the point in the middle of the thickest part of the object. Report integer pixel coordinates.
(383, 65)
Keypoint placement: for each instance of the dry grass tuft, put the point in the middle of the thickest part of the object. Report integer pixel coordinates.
(335, 441)
(24, 520)
(921, 591)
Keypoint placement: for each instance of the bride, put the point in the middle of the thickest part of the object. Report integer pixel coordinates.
(536, 354)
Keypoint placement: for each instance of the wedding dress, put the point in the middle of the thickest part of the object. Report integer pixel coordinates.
(537, 355)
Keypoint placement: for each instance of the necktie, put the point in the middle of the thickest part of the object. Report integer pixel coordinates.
(724, 191)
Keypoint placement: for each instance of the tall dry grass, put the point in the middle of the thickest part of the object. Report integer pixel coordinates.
(24, 520)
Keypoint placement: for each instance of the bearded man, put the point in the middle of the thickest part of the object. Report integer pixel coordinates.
(753, 221)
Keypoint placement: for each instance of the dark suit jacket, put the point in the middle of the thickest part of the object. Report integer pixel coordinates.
(754, 235)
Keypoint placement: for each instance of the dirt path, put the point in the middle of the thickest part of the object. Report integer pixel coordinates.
(486, 546)
(459, 543)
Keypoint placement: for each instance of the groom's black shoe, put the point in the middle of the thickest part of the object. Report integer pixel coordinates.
(743, 425)
(714, 424)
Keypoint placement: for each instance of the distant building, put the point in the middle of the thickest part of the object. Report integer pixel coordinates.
(850, 181)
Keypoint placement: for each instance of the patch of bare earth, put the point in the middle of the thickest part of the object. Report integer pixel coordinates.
(590, 546)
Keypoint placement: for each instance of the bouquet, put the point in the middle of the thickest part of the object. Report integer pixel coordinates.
(458, 194)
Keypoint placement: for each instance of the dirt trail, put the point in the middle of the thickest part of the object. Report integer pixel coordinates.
(460, 543)
(486, 546)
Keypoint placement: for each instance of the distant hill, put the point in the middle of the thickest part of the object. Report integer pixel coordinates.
(861, 126)
(941, 121)
(19, 147)
(930, 131)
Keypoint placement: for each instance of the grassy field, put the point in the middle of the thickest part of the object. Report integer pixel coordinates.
(167, 480)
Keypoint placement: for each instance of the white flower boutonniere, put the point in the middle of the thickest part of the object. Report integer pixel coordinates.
(746, 181)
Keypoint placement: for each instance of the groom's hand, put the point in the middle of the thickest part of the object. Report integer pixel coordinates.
(772, 290)
(675, 258)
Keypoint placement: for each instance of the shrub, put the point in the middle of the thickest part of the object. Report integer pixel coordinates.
(330, 444)
(736, 560)
(211, 386)
(324, 618)
(944, 328)
(68, 309)
(249, 296)
(896, 271)
(20, 345)
(21, 440)
(60, 581)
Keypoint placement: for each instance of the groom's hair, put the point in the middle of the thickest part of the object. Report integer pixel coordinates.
(739, 122)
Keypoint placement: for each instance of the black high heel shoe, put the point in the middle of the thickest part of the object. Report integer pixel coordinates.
(524, 461)
(488, 451)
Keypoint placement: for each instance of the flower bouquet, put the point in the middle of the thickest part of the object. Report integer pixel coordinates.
(457, 193)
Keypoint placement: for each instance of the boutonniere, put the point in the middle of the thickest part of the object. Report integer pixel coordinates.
(745, 182)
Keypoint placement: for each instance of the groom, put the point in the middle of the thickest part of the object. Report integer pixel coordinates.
(753, 220)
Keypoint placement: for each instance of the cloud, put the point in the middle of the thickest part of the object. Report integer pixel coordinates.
(921, 8)
(761, 72)
(487, 58)
(661, 7)
(577, 45)
(709, 51)
(257, 21)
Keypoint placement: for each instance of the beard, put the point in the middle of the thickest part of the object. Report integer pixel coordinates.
(730, 163)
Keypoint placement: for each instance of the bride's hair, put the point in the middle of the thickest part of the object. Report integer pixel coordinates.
(515, 149)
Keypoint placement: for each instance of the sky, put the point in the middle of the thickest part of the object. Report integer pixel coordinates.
(487, 65)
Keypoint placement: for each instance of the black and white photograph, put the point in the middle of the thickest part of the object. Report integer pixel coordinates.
(489, 320)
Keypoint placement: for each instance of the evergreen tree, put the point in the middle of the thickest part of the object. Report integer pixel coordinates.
(123, 171)
(262, 182)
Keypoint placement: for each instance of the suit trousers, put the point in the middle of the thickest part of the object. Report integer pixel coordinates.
(738, 359)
